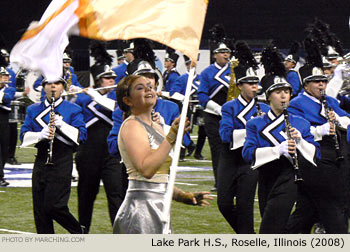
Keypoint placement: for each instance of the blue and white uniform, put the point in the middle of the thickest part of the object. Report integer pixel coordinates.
(262, 148)
(170, 78)
(293, 78)
(93, 160)
(235, 178)
(326, 187)
(7, 95)
(212, 94)
(51, 183)
(178, 90)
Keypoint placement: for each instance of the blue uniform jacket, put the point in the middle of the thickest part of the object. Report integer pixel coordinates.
(170, 78)
(120, 71)
(214, 83)
(38, 114)
(9, 95)
(181, 82)
(235, 115)
(93, 111)
(269, 131)
(293, 78)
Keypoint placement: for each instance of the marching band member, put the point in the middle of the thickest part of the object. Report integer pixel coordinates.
(120, 70)
(292, 74)
(170, 74)
(59, 125)
(145, 152)
(325, 189)
(92, 159)
(271, 146)
(235, 178)
(7, 94)
(266, 146)
(212, 94)
(120, 57)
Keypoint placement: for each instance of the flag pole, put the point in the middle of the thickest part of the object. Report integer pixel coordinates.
(175, 161)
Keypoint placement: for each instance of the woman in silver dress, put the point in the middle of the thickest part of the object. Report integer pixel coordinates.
(145, 152)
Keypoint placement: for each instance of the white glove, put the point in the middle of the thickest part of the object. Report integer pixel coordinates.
(58, 121)
(324, 129)
(338, 72)
(44, 133)
(93, 93)
(283, 149)
(218, 110)
(73, 88)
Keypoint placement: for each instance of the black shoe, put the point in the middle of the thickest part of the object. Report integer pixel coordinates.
(12, 161)
(83, 229)
(3, 182)
(198, 156)
(190, 149)
(74, 179)
(214, 189)
(182, 155)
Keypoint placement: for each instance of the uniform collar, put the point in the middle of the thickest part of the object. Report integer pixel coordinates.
(272, 116)
(311, 97)
(57, 102)
(218, 66)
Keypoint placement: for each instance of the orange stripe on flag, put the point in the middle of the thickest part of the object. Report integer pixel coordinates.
(32, 32)
(87, 20)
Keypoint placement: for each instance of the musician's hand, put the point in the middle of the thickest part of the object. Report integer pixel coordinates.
(295, 134)
(284, 148)
(44, 133)
(58, 121)
(86, 90)
(331, 129)
(200, 199)
(51, 133)
(331, 115)
(325, 129)
(291, 146)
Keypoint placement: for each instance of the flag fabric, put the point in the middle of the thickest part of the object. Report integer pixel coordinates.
(175, 23)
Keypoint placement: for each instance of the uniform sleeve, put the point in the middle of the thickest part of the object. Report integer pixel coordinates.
(307, 145)
(37, 83)
(8, 95)
(112, 139)
(177, 86)
(294, 80)
(27, 134)
(226, 123)
(254, 154)
(203, 90)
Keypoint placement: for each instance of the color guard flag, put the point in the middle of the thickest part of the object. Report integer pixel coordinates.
(175, 23)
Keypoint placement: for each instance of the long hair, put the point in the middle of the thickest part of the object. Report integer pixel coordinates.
(123, 90)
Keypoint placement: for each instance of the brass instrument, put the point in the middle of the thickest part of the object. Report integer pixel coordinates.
(297, 176)
(81, 91)
(327, 109)
(233, 91)
(52, 115)
(69, 81)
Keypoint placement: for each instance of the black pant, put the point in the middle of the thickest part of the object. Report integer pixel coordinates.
(277, 194)
(212, 129)
(13, 139)
(4, 141)
(201, 140)
(95, 164)
(236, 180)
(323, 195)
(51, 187)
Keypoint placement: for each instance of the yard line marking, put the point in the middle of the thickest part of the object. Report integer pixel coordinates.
(180, 183)
(14, 231)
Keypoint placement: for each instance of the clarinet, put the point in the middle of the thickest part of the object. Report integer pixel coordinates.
(327, 109)
(258, 108)
(297, 176)
(52, 114)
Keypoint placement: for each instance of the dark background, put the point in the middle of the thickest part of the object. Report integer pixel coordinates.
(256, 21)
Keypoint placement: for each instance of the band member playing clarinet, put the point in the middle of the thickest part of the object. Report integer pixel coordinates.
(7, 94)
(269, 150)
(325, 188)
(51, 183)
(235, 178)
